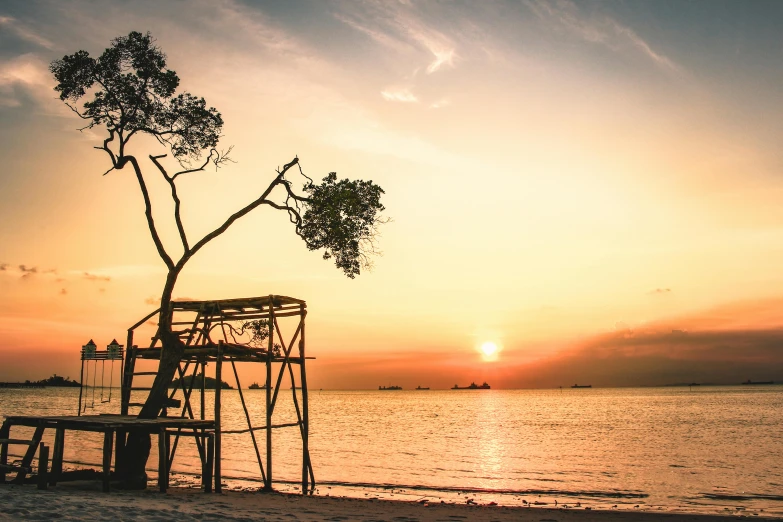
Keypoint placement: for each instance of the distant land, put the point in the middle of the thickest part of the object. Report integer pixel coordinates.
(209, 383)
(54, 380)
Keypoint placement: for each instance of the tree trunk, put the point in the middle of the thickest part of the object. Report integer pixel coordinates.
(137, 449)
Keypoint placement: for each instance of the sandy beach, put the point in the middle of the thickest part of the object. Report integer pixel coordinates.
(83, 502)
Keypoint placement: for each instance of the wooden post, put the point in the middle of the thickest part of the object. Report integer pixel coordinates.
(57, 457)
(163, 462)
(207, 471)
(119, 448)
(81, 387)
(108, 440)
(5, 432)
(305, 418)
(203, 394)
(43, 466)
(127, 376)
(219, 381)
(270, 352)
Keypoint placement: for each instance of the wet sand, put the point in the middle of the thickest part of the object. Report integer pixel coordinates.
(78, 501)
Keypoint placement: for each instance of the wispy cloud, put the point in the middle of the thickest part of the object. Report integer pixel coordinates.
(95, 277)
(600, 29)
(399, 27)
(28, 271)
(23, 32)
(402, 95)
(27, 72)
(442, 57)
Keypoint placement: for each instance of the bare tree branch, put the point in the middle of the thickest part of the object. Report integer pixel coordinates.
(175, 197)
(230, 221)
(147, 209)
(108, 151)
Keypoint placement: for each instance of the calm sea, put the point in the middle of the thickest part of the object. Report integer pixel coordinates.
(712, 449)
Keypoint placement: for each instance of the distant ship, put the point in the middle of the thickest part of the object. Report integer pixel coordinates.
(389, 387)
(582, 386)
(758, 382)
(420, 388)
(255, 386)
(473, 386)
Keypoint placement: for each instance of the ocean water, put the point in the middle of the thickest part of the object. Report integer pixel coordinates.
(709, 450)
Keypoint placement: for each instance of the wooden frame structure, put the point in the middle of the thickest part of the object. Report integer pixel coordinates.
(90, 353)
(231, 331)
(164, 427)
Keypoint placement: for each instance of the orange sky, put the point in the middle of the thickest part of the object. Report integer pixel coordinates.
(555, 173)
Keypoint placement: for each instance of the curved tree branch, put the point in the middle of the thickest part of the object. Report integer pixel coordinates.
(147, 208)
(230, 221)
(292, 194)
(175, 197)
(108, 151)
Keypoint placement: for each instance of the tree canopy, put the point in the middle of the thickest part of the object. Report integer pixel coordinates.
(132, 92)
(129, 90)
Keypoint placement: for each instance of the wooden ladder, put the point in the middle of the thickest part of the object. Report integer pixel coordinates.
(23, 467)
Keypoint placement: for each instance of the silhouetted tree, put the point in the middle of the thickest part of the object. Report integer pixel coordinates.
(129, 92)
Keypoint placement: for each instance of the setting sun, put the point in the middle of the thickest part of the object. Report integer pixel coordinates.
(489, 348)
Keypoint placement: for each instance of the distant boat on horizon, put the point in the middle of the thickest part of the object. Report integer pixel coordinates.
(758, 382)
(256, 386)
(383, 388)
(420, 388)
(473, 386)
(582, 386)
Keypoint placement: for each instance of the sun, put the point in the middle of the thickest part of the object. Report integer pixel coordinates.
(489, 348)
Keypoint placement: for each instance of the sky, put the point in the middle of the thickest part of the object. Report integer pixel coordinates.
(594, 187)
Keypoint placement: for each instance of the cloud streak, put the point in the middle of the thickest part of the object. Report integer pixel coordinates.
(399, 27)
(95, 277)
(23, 32)
(402, 95)
(599, 29)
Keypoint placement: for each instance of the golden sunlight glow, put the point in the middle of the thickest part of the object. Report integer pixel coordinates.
(489, 348)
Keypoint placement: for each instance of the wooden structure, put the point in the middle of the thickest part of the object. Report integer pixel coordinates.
(90, 354)
(164, 427)
(231, 331)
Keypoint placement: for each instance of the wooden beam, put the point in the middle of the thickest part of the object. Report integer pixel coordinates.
(163, 461)
(28, 456)
(57, 457)
(259, 428)
(218, 377)
(5, 431)
(108, 440)
(270, 352)
(43, 466)
(249, 424)
(307, 466)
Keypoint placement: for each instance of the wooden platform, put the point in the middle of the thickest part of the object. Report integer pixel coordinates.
(109, 422)
(111, 426)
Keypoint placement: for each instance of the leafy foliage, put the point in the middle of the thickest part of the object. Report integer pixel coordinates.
(342, 218)
(133, 91)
